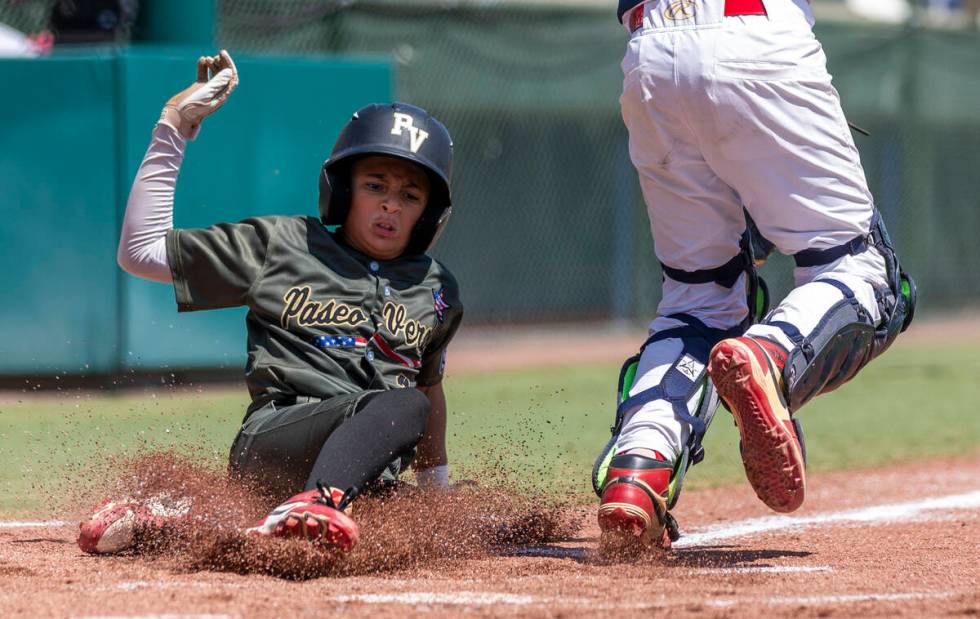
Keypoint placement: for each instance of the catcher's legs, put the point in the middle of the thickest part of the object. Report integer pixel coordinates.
(666, 405)
(697, 224)
(774, 131)
(639, 463)
(824, 331)
(746, 115)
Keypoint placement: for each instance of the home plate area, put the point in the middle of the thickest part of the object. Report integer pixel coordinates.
(880, 548)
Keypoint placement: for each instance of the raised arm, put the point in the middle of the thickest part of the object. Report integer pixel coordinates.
(149, 211)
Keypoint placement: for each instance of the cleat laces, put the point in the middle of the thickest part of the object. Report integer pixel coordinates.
(326, 497)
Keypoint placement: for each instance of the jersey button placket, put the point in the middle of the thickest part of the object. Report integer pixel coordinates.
(380, 290)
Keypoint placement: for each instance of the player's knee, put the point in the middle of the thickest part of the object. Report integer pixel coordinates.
(408, 408)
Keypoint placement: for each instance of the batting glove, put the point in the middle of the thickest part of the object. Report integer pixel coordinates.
(216, 78)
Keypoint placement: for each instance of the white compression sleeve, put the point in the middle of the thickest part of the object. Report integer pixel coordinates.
(150, 208)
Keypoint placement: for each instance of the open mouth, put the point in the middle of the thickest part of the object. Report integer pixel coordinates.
(385, 229)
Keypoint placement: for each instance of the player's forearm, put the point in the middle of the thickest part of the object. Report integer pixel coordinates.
(150, 208)
(432, 448)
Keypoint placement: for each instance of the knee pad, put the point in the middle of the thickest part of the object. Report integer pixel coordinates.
(845, 339)
(685, 386)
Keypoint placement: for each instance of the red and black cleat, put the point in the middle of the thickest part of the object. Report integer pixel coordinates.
(748, 374)
(317, 515)
(633, 511)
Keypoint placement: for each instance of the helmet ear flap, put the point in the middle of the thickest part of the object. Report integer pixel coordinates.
(429, 226)
(335, 194)
(440, 226)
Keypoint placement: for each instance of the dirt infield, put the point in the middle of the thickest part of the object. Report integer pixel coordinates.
(901, 541)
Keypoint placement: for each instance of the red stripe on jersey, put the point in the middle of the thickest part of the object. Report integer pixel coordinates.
(393, 354)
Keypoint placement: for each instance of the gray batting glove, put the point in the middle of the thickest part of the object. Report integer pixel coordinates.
(216, 78)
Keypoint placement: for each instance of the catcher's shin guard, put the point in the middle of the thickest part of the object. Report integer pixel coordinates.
(634, 502)
(845, 339)
(747, 372)
(685, 386)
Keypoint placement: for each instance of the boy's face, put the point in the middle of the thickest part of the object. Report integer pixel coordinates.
(388, 196)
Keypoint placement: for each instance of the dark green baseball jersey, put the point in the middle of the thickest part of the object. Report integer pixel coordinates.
(323, 319)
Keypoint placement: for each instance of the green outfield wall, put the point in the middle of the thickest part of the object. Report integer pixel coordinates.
(70, 143)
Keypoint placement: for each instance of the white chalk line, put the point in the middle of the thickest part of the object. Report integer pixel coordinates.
(767, 569)
(133, 585)
(878, 513)
(484, 598)
(31, 524)
(826, 600)
(456, 598)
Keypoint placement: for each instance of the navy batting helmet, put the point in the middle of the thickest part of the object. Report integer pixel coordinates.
(399, 130)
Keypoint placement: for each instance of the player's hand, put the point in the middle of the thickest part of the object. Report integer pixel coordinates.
(216, 78)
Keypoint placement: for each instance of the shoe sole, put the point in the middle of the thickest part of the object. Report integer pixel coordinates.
(771, 454)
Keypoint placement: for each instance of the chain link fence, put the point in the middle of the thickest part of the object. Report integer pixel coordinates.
(549, 223)
(28, 16)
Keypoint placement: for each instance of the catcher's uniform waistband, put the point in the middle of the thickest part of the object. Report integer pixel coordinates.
(678, 10)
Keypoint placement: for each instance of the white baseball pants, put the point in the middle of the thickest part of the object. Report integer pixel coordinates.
(726, 112)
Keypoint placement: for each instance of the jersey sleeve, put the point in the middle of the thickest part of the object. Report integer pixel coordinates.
(216, 267)
(434, 357)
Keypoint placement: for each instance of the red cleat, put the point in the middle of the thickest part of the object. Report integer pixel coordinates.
(633, 511)
(316, 515)
(117, 525)
(747, 371)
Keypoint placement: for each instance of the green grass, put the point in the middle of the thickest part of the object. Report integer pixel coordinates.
(545, 427)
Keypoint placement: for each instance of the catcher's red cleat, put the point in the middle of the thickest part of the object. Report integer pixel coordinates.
(118, 525)
(316, 515)
(633, 511)
(747, 371)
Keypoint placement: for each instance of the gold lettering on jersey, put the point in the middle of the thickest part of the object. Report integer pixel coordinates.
(396, 322)
(680, 10)
(308, 313)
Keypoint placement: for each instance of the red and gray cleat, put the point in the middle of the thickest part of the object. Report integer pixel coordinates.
(118, 525)
(316, 515)
(748, 373)
(633, 511)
